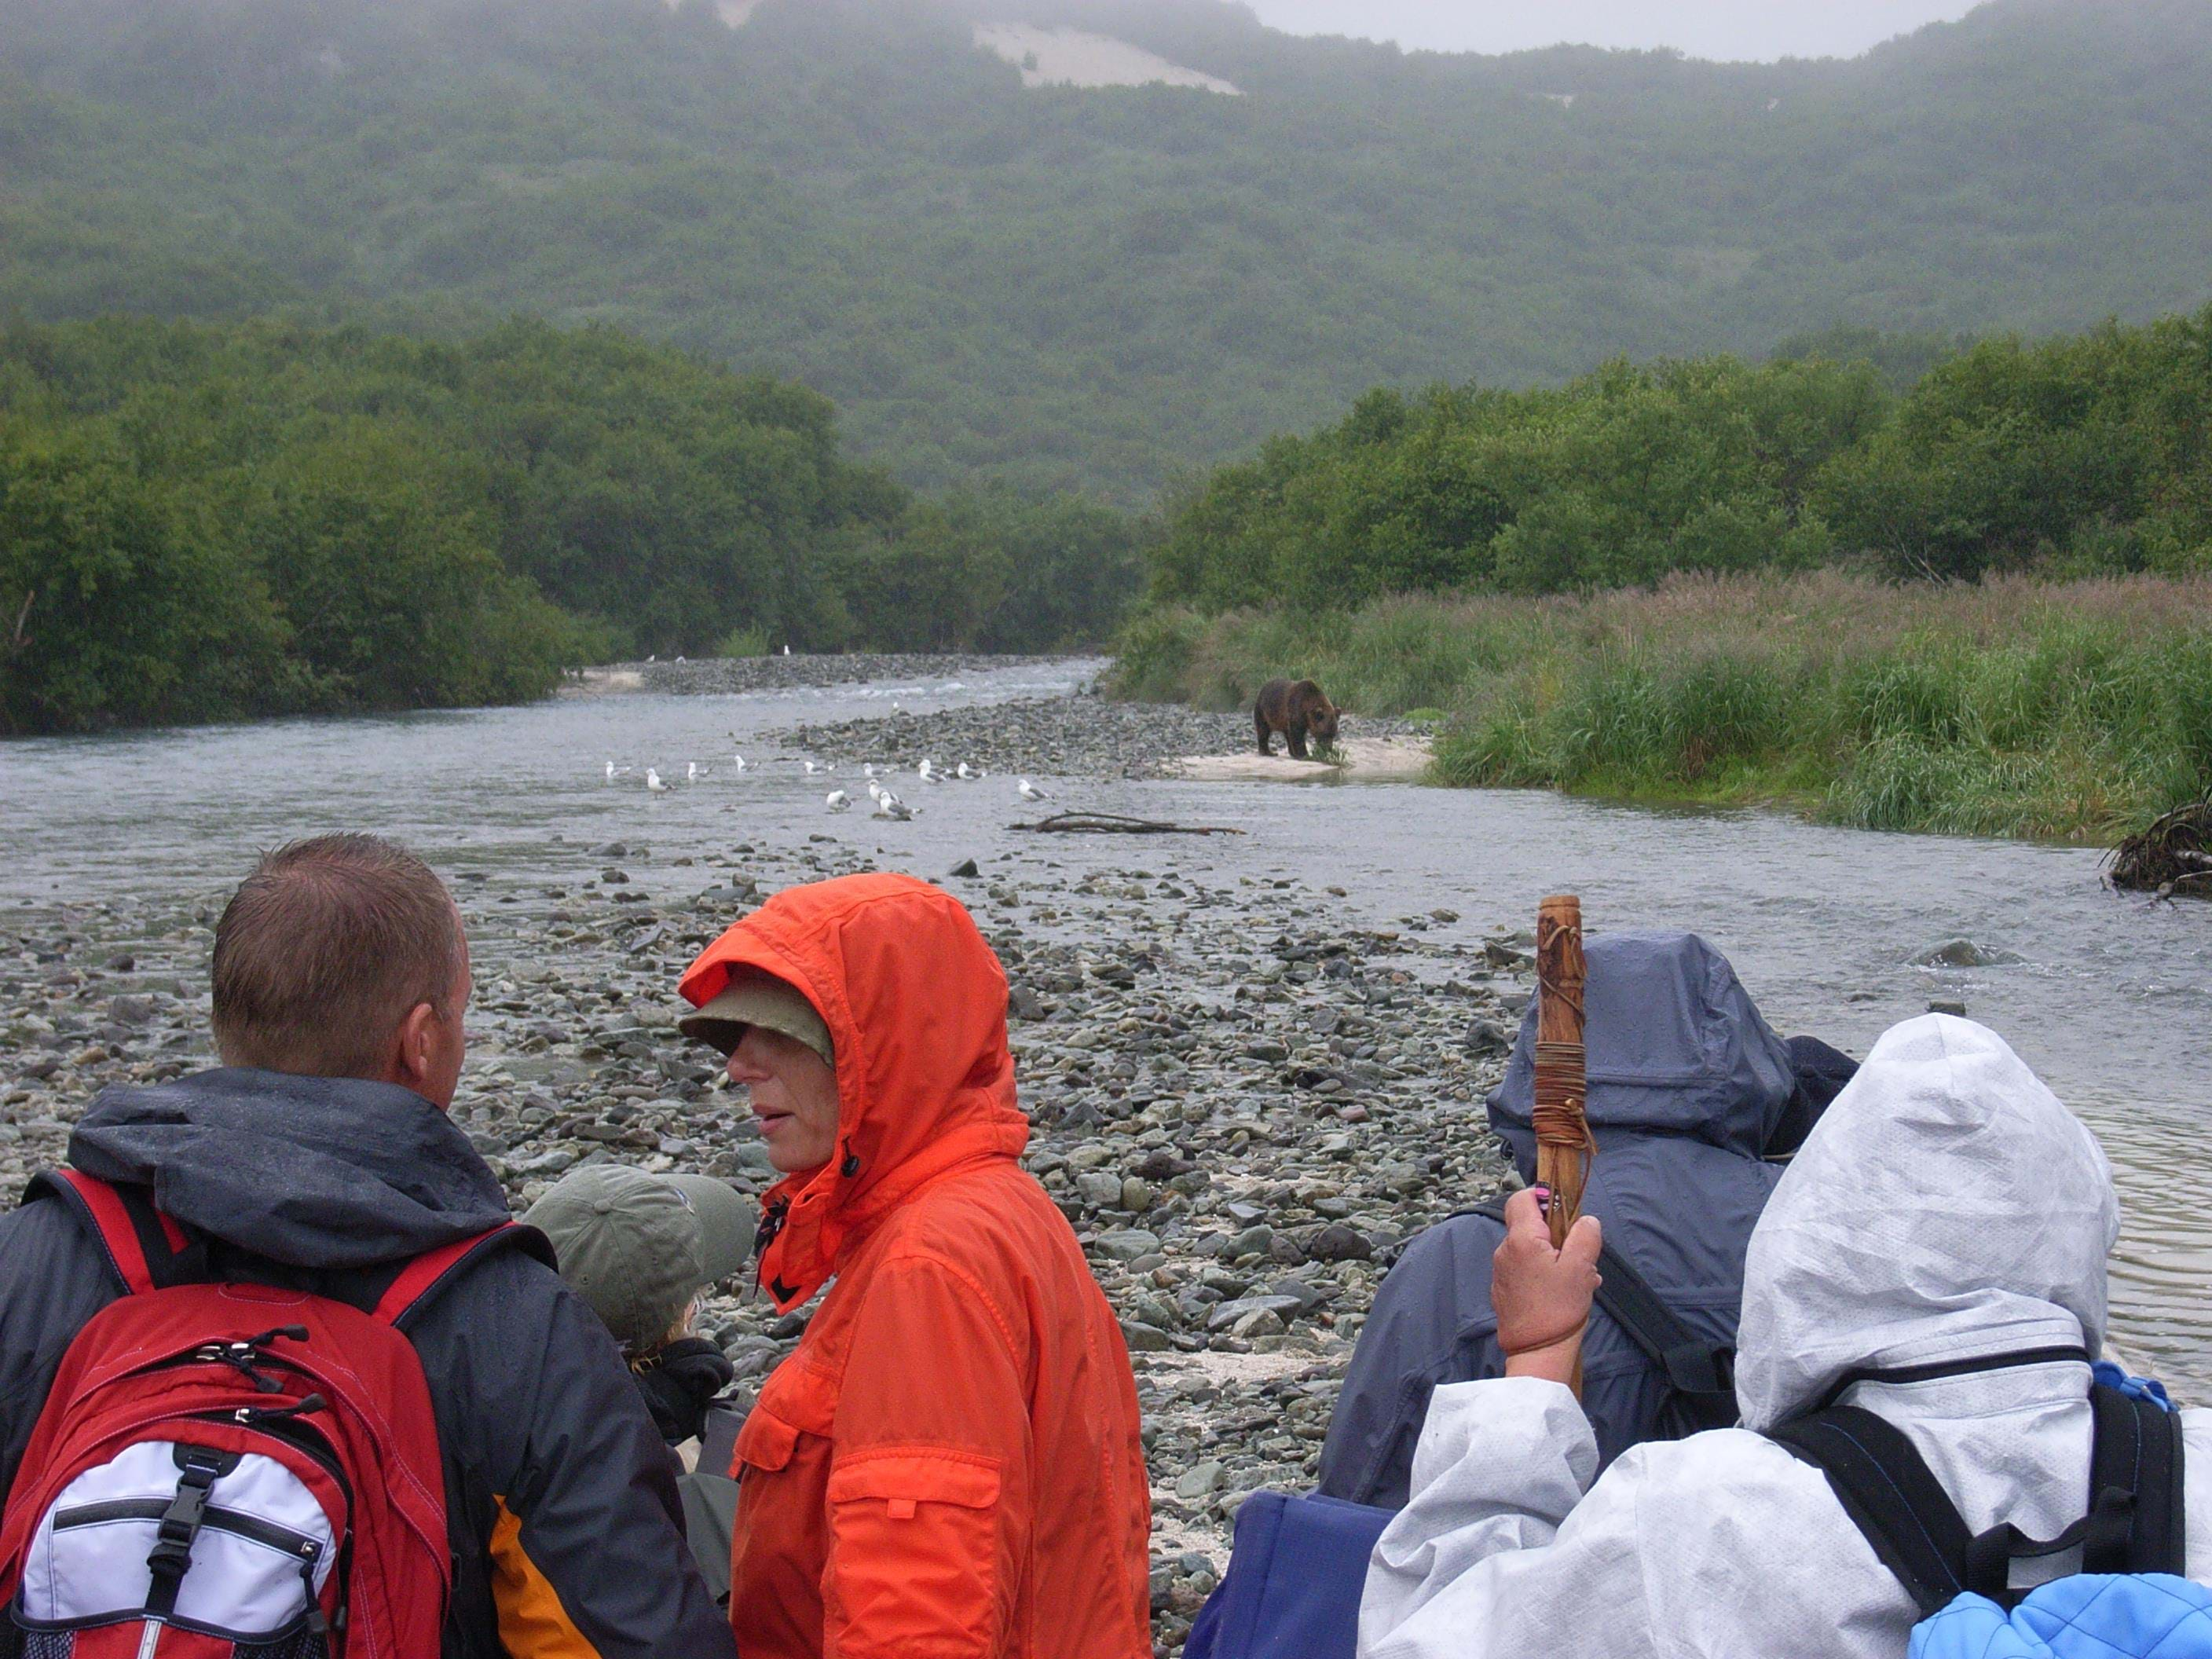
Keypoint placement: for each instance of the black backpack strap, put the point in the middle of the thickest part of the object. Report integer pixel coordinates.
(1702, 1374)
(2134, 1521)
(1884, 1486)
(2138, 1454)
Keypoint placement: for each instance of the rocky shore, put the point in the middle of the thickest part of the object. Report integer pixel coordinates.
(1054, 736)
(1243, 1101)
(709, 675)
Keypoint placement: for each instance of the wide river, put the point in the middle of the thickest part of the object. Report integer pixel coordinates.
(2110, 998)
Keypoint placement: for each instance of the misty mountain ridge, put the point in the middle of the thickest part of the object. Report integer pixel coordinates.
(995, 272)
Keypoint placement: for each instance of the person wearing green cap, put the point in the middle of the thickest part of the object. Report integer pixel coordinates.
(639, 1248)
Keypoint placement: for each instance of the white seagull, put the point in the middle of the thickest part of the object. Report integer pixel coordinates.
(698, 773)
(889, 806)
(926, 774)
(653, 781)
(740, 760)
(614, 771)
(965, 772)
(812, 768)
(1029, 791)
(837, 800)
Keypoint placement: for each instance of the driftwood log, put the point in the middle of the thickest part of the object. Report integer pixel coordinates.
(2173, 855)
(1113, 823)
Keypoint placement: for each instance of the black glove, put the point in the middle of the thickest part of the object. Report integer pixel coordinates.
(679, 1384)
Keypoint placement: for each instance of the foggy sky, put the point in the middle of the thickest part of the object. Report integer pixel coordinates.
(1762, 30)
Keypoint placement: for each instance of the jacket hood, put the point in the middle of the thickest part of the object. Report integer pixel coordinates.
(915, 1003)
(1675, 1047)
(310, 1171)
(1946, 1206)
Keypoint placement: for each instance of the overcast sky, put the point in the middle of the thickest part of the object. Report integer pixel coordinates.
(1704, 29)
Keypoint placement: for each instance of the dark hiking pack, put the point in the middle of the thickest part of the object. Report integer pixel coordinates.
(1296, 1571)
(2129, 1597)
(1700, 1375)
(230, 1470)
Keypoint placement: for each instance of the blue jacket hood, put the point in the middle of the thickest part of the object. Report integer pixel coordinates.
(309, 1171)
(1676, 1047)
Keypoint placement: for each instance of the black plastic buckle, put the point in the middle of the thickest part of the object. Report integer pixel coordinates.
(1698, 1368)
(202, 1466)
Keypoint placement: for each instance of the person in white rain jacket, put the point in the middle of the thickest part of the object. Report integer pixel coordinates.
(1947, 1209)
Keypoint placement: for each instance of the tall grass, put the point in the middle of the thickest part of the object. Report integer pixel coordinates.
(2071, 711)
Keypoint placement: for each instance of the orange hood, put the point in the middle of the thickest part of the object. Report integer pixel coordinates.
(915, 1003)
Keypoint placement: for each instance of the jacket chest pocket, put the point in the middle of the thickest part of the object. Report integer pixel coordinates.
(916, 1570)
(797, 1401)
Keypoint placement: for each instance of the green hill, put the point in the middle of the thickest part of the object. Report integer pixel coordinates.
(1097, 288)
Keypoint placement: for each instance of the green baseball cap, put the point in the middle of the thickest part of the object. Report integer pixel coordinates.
(638, 1247)
(758, 998)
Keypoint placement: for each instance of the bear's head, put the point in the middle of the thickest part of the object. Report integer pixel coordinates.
(1320, 718)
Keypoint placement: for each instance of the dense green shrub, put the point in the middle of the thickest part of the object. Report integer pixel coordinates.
(2073, 456)
(200, 522)
(1619, 477)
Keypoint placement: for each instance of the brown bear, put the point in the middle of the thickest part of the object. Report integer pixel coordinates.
(1294, 709)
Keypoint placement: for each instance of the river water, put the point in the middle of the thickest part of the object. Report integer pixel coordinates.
(2111, 999)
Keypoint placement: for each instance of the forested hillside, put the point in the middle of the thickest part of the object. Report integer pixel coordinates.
(1058, 286)
(201, 522)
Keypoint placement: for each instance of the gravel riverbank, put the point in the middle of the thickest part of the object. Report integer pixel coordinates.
(1085, 736)
(716, 676)
(1245, 1100)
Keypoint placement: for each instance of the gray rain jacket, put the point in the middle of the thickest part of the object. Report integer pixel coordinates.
(1947, 1207)
(1688, 1087)
(561, 1509)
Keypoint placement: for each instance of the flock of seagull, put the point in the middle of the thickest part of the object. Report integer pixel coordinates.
(887, 804)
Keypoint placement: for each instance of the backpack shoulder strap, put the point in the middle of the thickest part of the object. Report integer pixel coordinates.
(2138, 1456)
(1884, 1486)
(146, 1250)
(421, 1280)
(1702, 1373)
(2134, 1522)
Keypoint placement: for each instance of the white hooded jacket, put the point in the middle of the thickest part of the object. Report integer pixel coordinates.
(1947, 1207)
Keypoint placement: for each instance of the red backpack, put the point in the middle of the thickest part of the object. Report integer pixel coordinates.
(229, 1471)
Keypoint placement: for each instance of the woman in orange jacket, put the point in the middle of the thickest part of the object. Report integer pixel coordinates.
(949, 1467)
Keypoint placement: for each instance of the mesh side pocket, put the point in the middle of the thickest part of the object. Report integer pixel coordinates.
(16, 1643)
(301, 1644)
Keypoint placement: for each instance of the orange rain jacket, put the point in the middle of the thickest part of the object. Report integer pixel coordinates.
(950, 1464)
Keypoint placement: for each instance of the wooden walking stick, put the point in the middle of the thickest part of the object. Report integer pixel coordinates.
(1564, 1144)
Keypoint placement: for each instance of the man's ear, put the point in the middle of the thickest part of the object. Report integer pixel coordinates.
(409, 1060)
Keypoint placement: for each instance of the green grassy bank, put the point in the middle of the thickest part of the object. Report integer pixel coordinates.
(2069, 711)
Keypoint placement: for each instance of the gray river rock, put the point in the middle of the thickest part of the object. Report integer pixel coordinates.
(1255, 1062)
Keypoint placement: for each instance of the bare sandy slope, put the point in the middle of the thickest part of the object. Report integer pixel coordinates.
(1069, 57)
(1365, 760)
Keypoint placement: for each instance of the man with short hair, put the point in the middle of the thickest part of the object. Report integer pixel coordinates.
(320, 1157)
